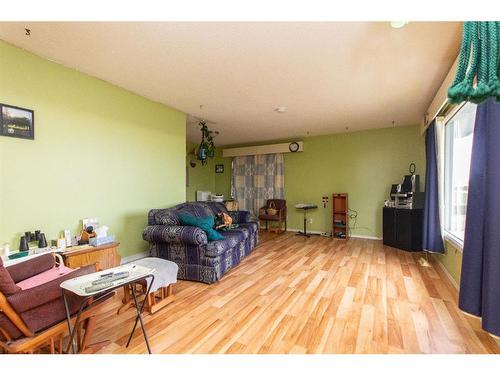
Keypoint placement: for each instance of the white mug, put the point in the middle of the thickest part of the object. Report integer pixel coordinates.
(5, 250)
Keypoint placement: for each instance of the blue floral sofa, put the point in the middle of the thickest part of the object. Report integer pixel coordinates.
(197, 258)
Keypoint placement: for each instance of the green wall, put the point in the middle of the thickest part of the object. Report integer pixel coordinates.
(201, 177)
(99, 151)
(223, 180)
(363, 164)
(451, 260)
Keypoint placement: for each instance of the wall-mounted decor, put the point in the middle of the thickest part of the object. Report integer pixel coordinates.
(294, 147)
(17, 122)
(219, 168)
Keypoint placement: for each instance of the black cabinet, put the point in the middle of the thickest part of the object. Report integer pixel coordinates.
(402, 228)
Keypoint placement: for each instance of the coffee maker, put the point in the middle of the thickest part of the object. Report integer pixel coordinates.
(407, 194)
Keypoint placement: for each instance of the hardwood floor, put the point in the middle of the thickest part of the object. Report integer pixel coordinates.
(316, 295)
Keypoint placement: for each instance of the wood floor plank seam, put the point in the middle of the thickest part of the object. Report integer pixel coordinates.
(308, 295)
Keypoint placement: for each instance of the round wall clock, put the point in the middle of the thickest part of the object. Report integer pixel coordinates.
(293, 147)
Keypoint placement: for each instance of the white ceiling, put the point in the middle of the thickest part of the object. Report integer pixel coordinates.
(330, 75)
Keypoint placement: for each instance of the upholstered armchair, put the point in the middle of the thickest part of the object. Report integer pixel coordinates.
(280, 216)
(32, 313)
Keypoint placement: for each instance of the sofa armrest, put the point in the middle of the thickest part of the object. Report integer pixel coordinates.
(39, 295)
(240, 217)
(175, 233)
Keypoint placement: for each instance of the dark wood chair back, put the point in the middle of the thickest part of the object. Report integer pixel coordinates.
(279, 204)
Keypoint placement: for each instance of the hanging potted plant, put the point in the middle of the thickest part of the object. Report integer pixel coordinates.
(210, 143)
(202, 153)
(206, 149)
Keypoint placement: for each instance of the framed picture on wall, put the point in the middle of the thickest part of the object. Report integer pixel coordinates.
(17, 122)
(219, 168)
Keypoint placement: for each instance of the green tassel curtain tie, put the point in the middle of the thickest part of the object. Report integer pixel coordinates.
(478, 71)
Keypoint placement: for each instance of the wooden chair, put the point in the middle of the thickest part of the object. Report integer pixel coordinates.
(50, 339)
(35, 318)
(280, 216)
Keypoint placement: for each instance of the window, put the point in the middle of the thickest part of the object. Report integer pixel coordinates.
(457, 155)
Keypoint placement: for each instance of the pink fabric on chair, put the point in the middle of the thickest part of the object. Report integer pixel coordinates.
(44, 277)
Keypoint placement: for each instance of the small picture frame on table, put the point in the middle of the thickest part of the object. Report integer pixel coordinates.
(219, 168)
(17, 122)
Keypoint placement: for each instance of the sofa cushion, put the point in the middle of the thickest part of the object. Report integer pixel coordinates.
(48, 314)
(217, 208)
(170, 216)
(206, 223)
(51, 313)
(31, 298)
(198, 209)
(7, 284)
(230, 239)
(252, 227)
(240, 217)
(31, 267)
(44, 277)
(9, 328)
(236, 235)
(165, 217)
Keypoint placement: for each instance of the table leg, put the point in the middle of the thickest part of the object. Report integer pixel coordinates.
(138, 318)
(72, 331)
(304, 233)
(305, 224)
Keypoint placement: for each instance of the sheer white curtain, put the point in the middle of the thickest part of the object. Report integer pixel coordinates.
(256, 178)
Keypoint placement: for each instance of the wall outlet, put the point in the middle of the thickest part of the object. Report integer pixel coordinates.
(310, 221)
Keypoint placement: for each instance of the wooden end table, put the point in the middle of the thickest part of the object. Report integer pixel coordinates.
(106, 256)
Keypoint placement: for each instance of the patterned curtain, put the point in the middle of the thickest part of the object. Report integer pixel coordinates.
(256, 178)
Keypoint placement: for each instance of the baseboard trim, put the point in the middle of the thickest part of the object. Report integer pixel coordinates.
(319, 232)
(445, 271)
(300, 230)
(367, 237)
(134, 257)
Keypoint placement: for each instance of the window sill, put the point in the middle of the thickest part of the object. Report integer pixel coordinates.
(454, 241)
